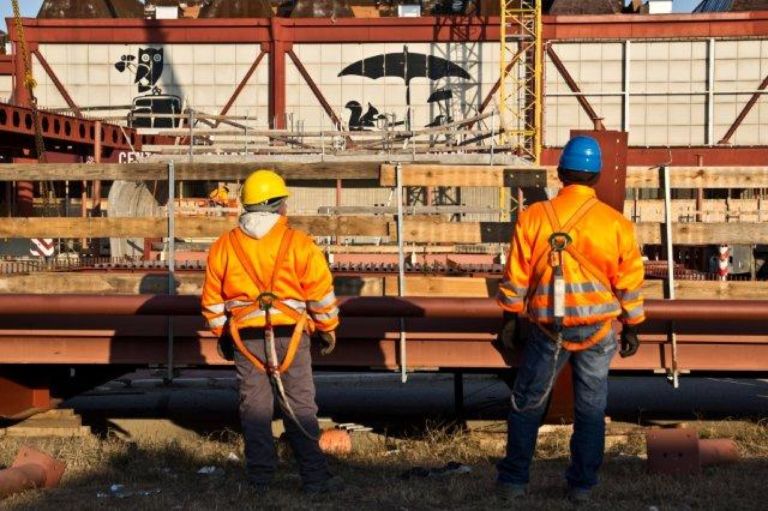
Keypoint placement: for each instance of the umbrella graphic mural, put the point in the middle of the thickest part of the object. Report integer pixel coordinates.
(405, 65)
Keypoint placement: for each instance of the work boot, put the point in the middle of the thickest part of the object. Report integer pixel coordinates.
(510, 491)
(333, 484)
(578, 496)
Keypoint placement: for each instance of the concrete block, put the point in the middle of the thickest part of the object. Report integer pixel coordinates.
(293, 95)
(680, 50)
(333, 95)
(657, 71)
(698, 74)
(54, 53)
(184, 74)
(262, 72)
(612, 51)
(77, 53)
(585, 72)
(250, 97)
(308, 53)
(78, 74)
(225, 75)
(568, 52)
(699, 50)
(658, 51)
(325, 74)
(202, 95)
(637, 113)
(590, 52)
(679, 115)
(98, 54)
(657, 115)
(611, 74)
(725, 70)
(245, 53)
(656, 136)
(121, 94)
(749, 69)
(292, 75)
(331, 54)
(351, 53)
(204, 74)
(726, 50)
(680, 71)
(98, 74)
(225, 54)
(204, 53)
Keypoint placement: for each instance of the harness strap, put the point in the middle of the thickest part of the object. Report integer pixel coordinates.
(585, 263)
(301, 319)
(579, 346)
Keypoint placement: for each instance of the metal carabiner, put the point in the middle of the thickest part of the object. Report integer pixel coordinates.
(559, 241)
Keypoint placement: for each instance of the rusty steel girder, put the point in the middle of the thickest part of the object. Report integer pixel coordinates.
(708, 311)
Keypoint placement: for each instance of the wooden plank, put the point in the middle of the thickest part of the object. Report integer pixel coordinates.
(437, 231)
(464, 175)
(355, 170)
(186, 227)
(637, 177)
(190, 283)
(418, 229)
(704, 234)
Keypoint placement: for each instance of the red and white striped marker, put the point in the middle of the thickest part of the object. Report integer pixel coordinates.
(42, 247)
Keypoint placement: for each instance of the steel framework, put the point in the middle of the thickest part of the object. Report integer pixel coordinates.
(520, 87)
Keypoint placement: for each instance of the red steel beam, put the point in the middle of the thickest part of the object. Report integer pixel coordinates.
(20, 120)
(315, 89)
(6, 65)
(744, 112)
(715, 311)
(356, 30)
(597, 121)
(241, 86)
(59, 86)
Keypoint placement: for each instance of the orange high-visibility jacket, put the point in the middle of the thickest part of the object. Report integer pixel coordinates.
(303, 281)
(603, 237)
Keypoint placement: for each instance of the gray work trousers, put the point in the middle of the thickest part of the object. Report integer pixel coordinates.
(257, 406)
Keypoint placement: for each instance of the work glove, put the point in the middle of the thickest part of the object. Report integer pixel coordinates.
(226, 346)
(328, 342)
(509, 331)
(629, 341)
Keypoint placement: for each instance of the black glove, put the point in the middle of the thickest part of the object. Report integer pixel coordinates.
(226, 346)
(509, 331)
(328, 342)
(629, 341)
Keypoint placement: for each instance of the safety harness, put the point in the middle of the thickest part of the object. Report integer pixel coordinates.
(265, 302)
(561, 241)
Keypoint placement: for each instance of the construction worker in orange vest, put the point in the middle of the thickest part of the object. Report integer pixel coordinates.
(574, 267)
(267, 288)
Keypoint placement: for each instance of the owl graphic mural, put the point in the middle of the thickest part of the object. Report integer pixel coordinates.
(148, 68)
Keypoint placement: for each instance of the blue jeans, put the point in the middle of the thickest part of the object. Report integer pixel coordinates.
(590, 386)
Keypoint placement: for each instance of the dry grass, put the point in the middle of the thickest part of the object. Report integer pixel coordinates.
(372, 473)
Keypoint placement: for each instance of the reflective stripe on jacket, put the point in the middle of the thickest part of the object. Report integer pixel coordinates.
(303, 281)
(603, 236)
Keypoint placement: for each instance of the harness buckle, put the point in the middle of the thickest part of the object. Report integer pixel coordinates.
(266, 300)
(559, 241)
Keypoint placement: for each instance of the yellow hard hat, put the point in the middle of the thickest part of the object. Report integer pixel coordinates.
(262, 186)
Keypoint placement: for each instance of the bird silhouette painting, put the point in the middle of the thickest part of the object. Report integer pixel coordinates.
(148, 67)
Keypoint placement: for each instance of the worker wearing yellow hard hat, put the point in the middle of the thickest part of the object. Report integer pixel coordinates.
(267, 289)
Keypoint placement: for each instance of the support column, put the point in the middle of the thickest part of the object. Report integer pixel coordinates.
(277, 53)
(25, 190)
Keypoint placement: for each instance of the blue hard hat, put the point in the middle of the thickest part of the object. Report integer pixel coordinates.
(581, 154)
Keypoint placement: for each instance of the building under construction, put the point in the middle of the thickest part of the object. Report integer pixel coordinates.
(411, 133)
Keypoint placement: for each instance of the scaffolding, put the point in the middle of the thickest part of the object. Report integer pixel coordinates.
(521, 75)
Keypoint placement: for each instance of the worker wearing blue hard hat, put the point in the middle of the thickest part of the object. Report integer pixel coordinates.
(574, 267)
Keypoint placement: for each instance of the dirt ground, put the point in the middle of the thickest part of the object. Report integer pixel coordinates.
(167, 471)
